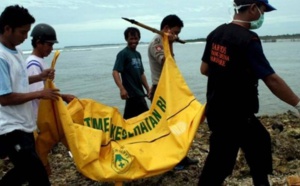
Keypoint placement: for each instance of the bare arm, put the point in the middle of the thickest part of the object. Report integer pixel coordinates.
(48, 73)
(20, 98)
(118, 81)
(35, 78)
(145, 84)
(67, 97)
(204, 68)
(171, 50)
(172, 37)
(280, 89)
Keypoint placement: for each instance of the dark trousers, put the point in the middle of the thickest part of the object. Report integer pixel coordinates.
(226, 140)
(135, 106)
(19, 146)
(153, 89)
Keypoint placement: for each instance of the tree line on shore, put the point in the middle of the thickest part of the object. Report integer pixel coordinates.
(267, 38)
(263, 38)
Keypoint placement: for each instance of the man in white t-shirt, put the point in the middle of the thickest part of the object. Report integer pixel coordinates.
(17, 121)
(43, 39)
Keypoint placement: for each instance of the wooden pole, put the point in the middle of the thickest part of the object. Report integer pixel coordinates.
(149, 28)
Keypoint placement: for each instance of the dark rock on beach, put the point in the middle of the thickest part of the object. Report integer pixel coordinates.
(284, 129)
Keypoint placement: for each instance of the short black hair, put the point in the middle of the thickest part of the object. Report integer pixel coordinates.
(171, 20)
(131, 31)
(34, 41)
(15, 16)
(244, 2)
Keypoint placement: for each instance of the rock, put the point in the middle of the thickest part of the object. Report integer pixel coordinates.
(293, 180)
(285, 133)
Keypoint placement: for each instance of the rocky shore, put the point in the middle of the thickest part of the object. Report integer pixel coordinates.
(285, 132)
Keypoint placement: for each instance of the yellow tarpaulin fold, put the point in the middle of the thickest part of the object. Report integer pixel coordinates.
(49, 125)
(105, 147)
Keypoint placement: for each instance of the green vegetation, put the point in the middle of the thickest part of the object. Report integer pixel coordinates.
(196, 40)
(267, 38)
(285, 36)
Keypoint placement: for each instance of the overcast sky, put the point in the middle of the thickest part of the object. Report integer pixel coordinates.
(84, 22)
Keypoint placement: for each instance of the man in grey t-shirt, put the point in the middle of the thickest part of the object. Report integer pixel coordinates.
(171, 24)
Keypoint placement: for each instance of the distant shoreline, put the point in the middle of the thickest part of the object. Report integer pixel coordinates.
(267, 38)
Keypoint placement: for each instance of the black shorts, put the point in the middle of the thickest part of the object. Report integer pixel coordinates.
(11, 142)
(135, 106)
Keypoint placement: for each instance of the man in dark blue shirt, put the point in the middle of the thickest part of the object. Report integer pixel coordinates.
(129, 76)
(234, 61)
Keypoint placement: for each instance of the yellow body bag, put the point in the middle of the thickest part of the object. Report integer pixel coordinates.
(106, 147)
(49, 125)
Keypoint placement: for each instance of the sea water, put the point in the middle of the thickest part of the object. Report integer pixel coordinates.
(87, 72)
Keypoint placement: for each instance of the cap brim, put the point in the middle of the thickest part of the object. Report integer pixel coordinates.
(52, 41)
(269, 8)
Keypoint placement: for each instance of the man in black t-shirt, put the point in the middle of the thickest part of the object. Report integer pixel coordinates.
(234, 61)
